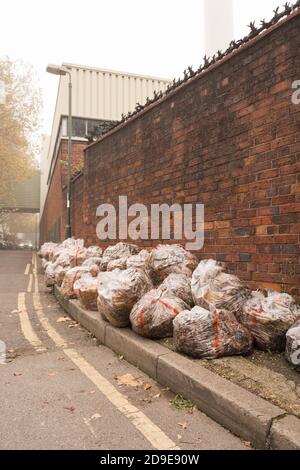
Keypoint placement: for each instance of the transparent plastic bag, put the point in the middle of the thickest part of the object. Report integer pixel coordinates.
(139, 261)
(212, 286)
(168, 259)
(180, 286)
(153, 315)
(292, 351)
(94, 252)
(46, 250)
(49, 276)
(268, 316)
(71, 276)
(118, 251)
(210, 334)
(119, 291)
(117, 264)
(60, 273)
(86, 289)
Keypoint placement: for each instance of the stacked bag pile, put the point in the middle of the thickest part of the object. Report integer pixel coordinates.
(166, 292)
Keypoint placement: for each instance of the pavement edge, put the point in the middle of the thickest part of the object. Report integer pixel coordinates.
(252, 418)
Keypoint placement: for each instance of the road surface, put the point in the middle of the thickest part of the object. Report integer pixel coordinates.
(61, 389)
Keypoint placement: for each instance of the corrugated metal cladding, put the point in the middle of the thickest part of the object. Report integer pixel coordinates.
(99, 94)
(105, 94)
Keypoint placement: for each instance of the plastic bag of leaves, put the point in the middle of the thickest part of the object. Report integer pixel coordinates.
(268, 316)
(180, 286)
(71, 276)
(212, 286)
(210, 334)
(45, 264)
(94, 252)
(119, 291)
(140, 261)
(120, 250)
(86, 289)
(93, 264)
(46, 249)
(117, 264)
(49, 276)
(168, 259)
(60, 273)
(153, 315)
(292, 351)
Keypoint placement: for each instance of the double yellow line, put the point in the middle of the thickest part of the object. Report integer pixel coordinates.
(155, 436)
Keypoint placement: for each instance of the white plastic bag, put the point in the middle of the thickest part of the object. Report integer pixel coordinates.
(212, 286)
(292, 352)
(268, 318)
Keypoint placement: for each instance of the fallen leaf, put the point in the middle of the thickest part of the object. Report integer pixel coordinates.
(182, 425)
(147, 386)
(17, 374)
(60, 358)
(129, 381)
(69, 408)
(157, 396)
(62, 319)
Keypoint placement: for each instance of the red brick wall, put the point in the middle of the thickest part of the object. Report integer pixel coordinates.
(52, 225)
(229, 139)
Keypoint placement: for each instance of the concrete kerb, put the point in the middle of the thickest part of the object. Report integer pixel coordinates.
(250, 417)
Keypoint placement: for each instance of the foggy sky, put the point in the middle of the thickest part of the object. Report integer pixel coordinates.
(157, 37)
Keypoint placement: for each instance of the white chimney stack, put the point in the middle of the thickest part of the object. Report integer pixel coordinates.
(219, 26)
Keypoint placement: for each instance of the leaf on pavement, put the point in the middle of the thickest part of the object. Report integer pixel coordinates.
(183, 425)
(157, 396)
(17, 374)
(129, 381)
(147, 386)
(63, 319)
(69, 408)
(96, 416)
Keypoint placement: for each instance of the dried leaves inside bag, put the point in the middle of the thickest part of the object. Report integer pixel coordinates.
(210, 334)
(154, 314)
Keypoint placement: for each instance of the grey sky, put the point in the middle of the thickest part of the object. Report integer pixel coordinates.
(157, 37)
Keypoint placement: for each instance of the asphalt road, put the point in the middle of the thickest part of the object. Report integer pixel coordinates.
(61, 389)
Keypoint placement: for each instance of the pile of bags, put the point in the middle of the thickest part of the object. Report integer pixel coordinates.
(165, 292)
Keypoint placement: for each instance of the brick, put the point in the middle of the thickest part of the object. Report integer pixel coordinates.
(232, 144)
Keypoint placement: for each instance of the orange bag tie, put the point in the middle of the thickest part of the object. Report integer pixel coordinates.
(74, 279)
(141, 322)
(169, 307)
(215, 320)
